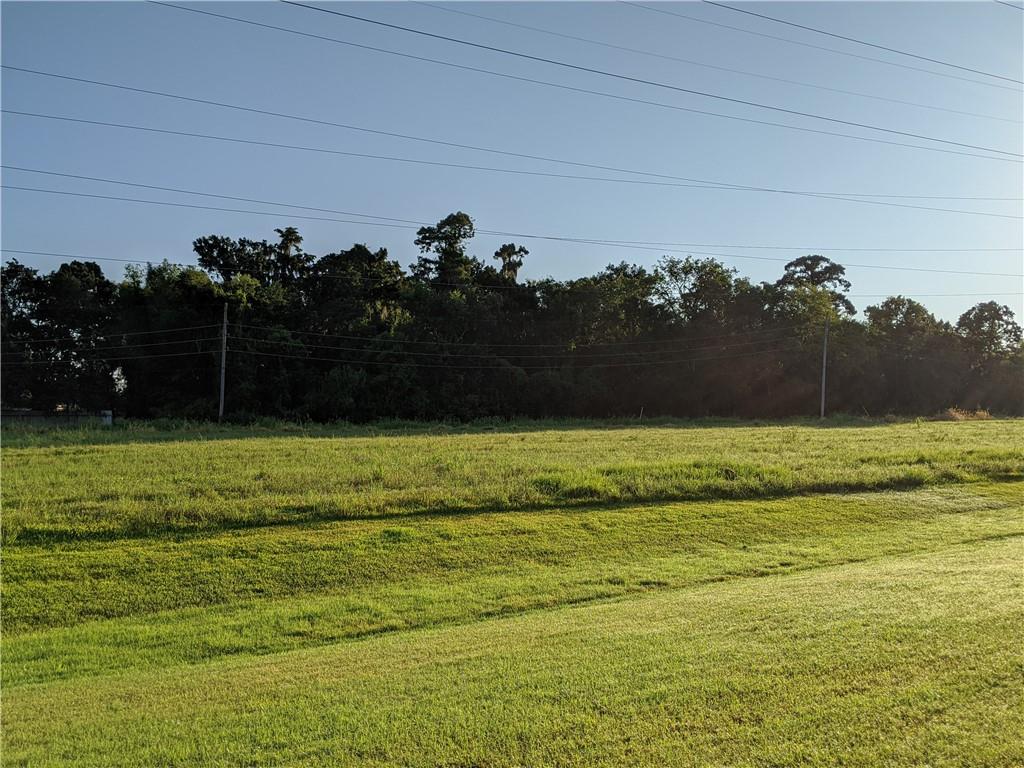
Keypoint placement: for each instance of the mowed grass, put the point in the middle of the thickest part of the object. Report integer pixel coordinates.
(911, 661)
(695, 611)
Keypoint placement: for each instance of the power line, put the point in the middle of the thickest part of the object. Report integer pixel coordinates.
(369, 156)
(822, 196)
(518, 78)
(566, 352)
(863, 42)
(472, 147)
(395, 363)
(491, 169)
(804, 248)
(105, 359)
(602, 243)
(697, 183)
(618, 97)
(925, 295)
(819, 47)
(179, 190)
(813, 248)
(705, 65)
(459, 145)
(505, 234)
(1010, 5)
(640, 80)
(524, 345)
(124, 333)
(136, 345)
(199, 207)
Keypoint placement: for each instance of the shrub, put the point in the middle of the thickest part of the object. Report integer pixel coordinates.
(961, 414)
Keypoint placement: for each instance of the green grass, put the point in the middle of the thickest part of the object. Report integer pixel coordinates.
(571, 595)
(103, 489)
(911, 661)
(287, 587)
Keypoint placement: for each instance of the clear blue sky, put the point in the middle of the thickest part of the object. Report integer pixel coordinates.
(147, 46)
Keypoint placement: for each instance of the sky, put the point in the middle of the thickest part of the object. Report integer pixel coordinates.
(148, 46)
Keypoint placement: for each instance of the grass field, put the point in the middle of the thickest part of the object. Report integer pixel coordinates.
(535, 594)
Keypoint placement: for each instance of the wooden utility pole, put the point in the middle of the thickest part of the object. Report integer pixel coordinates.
(824, 365)
(223, 361)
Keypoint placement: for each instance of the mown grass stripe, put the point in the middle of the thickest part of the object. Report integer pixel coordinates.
(924, 649)
(330, 582)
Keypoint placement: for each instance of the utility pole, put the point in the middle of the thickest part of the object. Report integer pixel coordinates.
(224, 361)
(824, 365)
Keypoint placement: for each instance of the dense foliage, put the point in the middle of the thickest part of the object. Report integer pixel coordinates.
(351, 335)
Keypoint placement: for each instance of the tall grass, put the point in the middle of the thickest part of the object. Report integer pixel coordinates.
(89, 485)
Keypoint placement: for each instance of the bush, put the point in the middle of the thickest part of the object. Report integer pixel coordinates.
(961, 414)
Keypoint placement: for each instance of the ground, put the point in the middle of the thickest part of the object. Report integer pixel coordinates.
(846, 593)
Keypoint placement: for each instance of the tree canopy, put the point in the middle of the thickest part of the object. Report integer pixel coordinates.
(352, 335)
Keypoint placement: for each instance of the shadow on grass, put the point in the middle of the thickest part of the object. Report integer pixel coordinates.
(302, 516)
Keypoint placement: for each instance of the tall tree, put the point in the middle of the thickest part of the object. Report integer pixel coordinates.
(447, 263)
(901, 319)
(511, 257)
(20, 291)
(231, 258)
(291, 263)
(913, 353)
(989, 330)
(698, 292)
(818, 272)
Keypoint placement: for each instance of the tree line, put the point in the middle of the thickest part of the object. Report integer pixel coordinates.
(352, 335)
